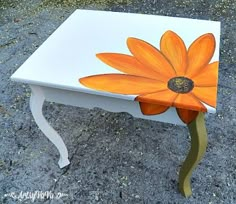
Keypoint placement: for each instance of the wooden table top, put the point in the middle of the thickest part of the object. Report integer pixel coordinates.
(152, 59)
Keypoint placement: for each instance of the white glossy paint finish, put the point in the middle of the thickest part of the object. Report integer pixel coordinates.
(36, 103)
(90, 101)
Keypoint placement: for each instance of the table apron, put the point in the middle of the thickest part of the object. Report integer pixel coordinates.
(86, 100)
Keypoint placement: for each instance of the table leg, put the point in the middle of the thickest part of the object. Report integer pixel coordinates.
(36, 103)
(198, 134)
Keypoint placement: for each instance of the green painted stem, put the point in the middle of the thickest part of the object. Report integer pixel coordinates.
(198, 134)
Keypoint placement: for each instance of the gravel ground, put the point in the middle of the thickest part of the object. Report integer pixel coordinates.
(115, 158)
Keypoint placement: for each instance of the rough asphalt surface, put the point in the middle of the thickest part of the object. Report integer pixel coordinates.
(115, 158)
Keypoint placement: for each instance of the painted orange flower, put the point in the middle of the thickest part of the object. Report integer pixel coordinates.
(172, 76)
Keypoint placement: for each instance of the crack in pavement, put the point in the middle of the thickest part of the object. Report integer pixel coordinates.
(10, 42)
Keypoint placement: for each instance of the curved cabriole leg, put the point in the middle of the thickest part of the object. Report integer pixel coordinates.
(198, 134)
(36, 103)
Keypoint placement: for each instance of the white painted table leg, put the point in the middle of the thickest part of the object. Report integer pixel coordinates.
(36, 103)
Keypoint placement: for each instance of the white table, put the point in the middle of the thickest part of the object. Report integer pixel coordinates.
(54, 70)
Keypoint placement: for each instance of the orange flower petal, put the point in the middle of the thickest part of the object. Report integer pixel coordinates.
(122, 84)
(128, 64)
(187, 116)
(190, 102)
(208, 76)
(152, 109)
(173, 47)
(165, 97)
(151, 57)
(206, 94)
(200, 53)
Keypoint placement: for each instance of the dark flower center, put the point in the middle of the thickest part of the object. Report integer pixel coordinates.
(180, 84)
